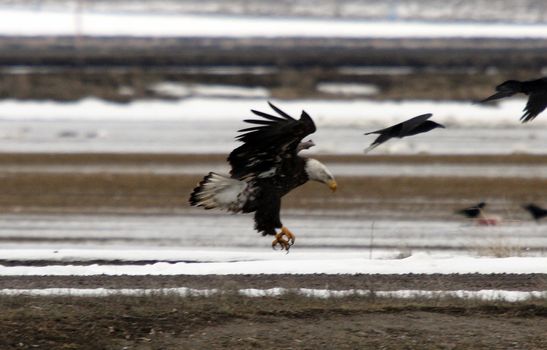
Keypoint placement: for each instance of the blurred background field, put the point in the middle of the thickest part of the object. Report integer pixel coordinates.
(124, 105)
(111, 112)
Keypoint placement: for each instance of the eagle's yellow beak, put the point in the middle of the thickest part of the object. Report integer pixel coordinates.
(332, 185)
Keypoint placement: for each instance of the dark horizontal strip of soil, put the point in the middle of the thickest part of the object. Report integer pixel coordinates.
(231, 321)
(189, 159)
(517, 282)
(296, 52)
(94, 192)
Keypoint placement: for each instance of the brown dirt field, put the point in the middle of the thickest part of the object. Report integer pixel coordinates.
(129, 193)
(527, 282)
(167, 158)
(288, 322)
(406, 196)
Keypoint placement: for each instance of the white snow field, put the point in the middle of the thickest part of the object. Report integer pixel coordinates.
(418, 263)
(198, 244)
(47, 22)
(197, 235)
(209, 125)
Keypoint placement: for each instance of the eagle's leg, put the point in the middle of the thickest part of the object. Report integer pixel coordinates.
(280, 239)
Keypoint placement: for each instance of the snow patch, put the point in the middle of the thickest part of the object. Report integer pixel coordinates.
(46, 22)
(179, 90)
(354, 113)
(485, 295)
(348, 89)
(418, 263)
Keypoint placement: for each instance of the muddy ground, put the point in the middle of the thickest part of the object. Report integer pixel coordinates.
(402, 196)
(521, 282)
(287, 322)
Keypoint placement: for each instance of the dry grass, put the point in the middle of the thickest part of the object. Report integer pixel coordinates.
(500, 249)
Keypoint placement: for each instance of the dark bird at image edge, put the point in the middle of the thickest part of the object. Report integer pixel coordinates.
(536, 90)
(536, 211)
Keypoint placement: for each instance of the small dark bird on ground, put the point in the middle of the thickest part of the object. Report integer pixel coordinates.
(473, 211)
(537, 212)
(413, 126)
(535, 89)
(476, 213)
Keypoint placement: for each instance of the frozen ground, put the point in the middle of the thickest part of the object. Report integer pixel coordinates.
(529, 11)
(209, 125)
(215, 237)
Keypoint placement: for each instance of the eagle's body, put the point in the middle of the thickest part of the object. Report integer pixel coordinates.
(268, 191)
(536, 90)
(264, 169)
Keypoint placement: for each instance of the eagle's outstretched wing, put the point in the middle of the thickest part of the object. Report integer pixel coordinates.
(268, 143)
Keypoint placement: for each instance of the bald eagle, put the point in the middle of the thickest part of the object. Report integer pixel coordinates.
(265, 168)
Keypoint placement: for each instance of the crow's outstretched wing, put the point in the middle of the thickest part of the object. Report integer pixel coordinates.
(412, 123)
(497, 96)
(537, 102)
(383, 137)
(398, 130)
(267, 144)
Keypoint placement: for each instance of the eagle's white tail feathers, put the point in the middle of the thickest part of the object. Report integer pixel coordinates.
(219, 191)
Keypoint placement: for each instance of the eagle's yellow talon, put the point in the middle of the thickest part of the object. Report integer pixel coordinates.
(290, 236)
(282, 243)
(280, 239)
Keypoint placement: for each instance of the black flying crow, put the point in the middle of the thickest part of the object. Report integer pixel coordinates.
(535, 89)
(473, 211)
(413, 126)
(537, 212)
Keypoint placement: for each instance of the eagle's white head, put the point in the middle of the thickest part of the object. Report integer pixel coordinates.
(317, 171)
